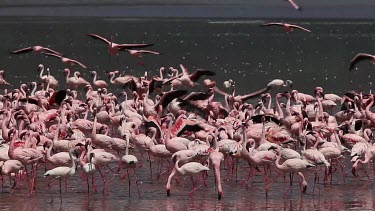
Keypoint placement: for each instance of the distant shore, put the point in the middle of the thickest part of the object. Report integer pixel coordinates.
(363, 9)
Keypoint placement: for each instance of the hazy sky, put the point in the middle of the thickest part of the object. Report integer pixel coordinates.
(191, 8)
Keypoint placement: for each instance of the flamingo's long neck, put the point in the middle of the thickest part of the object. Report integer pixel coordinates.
(178, 168)
(320, 111)
(34, 89)
(338, 141)
(81, 157)
(41, 72)
(93, 133)
(369, 106)
(263, 135)
(127, 145)
(112, 79)
(277, 162)
(161, 73)
(365, 135)
(76, 75)
(280, 111)
(94, 80)
(67, 74)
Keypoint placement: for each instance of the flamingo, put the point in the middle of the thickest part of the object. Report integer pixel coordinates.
(10, 167)
(37, 48)
(53, 83)
(66, 60)
(89, 169)
(293, 166)
(188, 169)
(98, 83)
(215, 158)
(129, 162)
(62, 171)
(288, 27)
(114, 48)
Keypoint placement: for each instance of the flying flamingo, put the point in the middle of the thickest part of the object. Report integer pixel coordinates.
(37, 48)
(361, 57)
(114, 48)
(65, 60)
(288, 27)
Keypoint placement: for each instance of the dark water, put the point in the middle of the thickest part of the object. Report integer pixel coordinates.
(237, 49)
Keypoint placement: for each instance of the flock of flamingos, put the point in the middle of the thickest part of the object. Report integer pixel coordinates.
(87, 129)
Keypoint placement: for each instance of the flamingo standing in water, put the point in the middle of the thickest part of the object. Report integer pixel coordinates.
(293, 166)
(189, 169)
(129, 162)
(62, 171)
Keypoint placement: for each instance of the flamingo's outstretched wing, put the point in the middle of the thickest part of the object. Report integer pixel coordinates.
(78, 63)
(54, 55)
(360, 57)
(254, 94)
(273, 24)
(199, 73)
(131, 46)
(299, 27)
(23, 50)
(95, 36)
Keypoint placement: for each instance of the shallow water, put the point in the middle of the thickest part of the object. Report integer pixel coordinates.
(237, 49)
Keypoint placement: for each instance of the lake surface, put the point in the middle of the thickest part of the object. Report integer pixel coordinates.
(238, 49)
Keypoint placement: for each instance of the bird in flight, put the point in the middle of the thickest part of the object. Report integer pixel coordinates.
(361, 57)
(114, 48)
(288, 27)
(37, 48)
(65, 60)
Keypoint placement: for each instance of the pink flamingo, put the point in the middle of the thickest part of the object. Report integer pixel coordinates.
(292, 166)
(37, 48)
(10, 167)
(98, 83)
(66, 60)
(189, 169)
(114, 48)
(62, 171)
(215, 159)
(288, 27)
